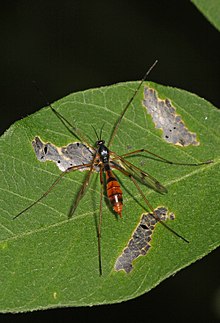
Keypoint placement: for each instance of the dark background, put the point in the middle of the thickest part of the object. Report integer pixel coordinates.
(68, 46)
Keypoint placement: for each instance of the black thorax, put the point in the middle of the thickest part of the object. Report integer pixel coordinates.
(103, 153)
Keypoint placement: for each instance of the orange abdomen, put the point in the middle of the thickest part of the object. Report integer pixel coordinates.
(114, 192)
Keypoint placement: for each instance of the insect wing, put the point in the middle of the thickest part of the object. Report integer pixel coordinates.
(139, 174)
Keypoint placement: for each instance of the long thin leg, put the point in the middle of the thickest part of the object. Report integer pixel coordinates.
(100, 222)
(82, 190)
(144, 177)
(70, 127)
(164, 159)
(50, 188)
(128, 104)
(154, 213)
(149, 205)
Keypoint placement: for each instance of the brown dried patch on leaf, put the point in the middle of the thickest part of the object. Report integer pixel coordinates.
(165, 118)
(139, 244)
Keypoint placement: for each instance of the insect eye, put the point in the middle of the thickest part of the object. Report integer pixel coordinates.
(100, 142)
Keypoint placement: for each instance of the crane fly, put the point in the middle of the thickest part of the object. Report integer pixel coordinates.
(107, 161)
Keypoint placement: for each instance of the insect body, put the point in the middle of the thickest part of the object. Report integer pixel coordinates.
(113, 188)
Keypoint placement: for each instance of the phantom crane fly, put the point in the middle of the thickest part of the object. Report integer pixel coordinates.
(107, 160)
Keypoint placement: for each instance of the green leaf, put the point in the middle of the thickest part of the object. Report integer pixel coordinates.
(50, 261)
(210, 9)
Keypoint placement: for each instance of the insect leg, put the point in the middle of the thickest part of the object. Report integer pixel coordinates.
(70, 127)
(82, 190)
(115, 129)
(144, 177)
(50, 188)
(154, 213)
(149, 205)
(164, 159)
(76, 132)
(100, 222)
